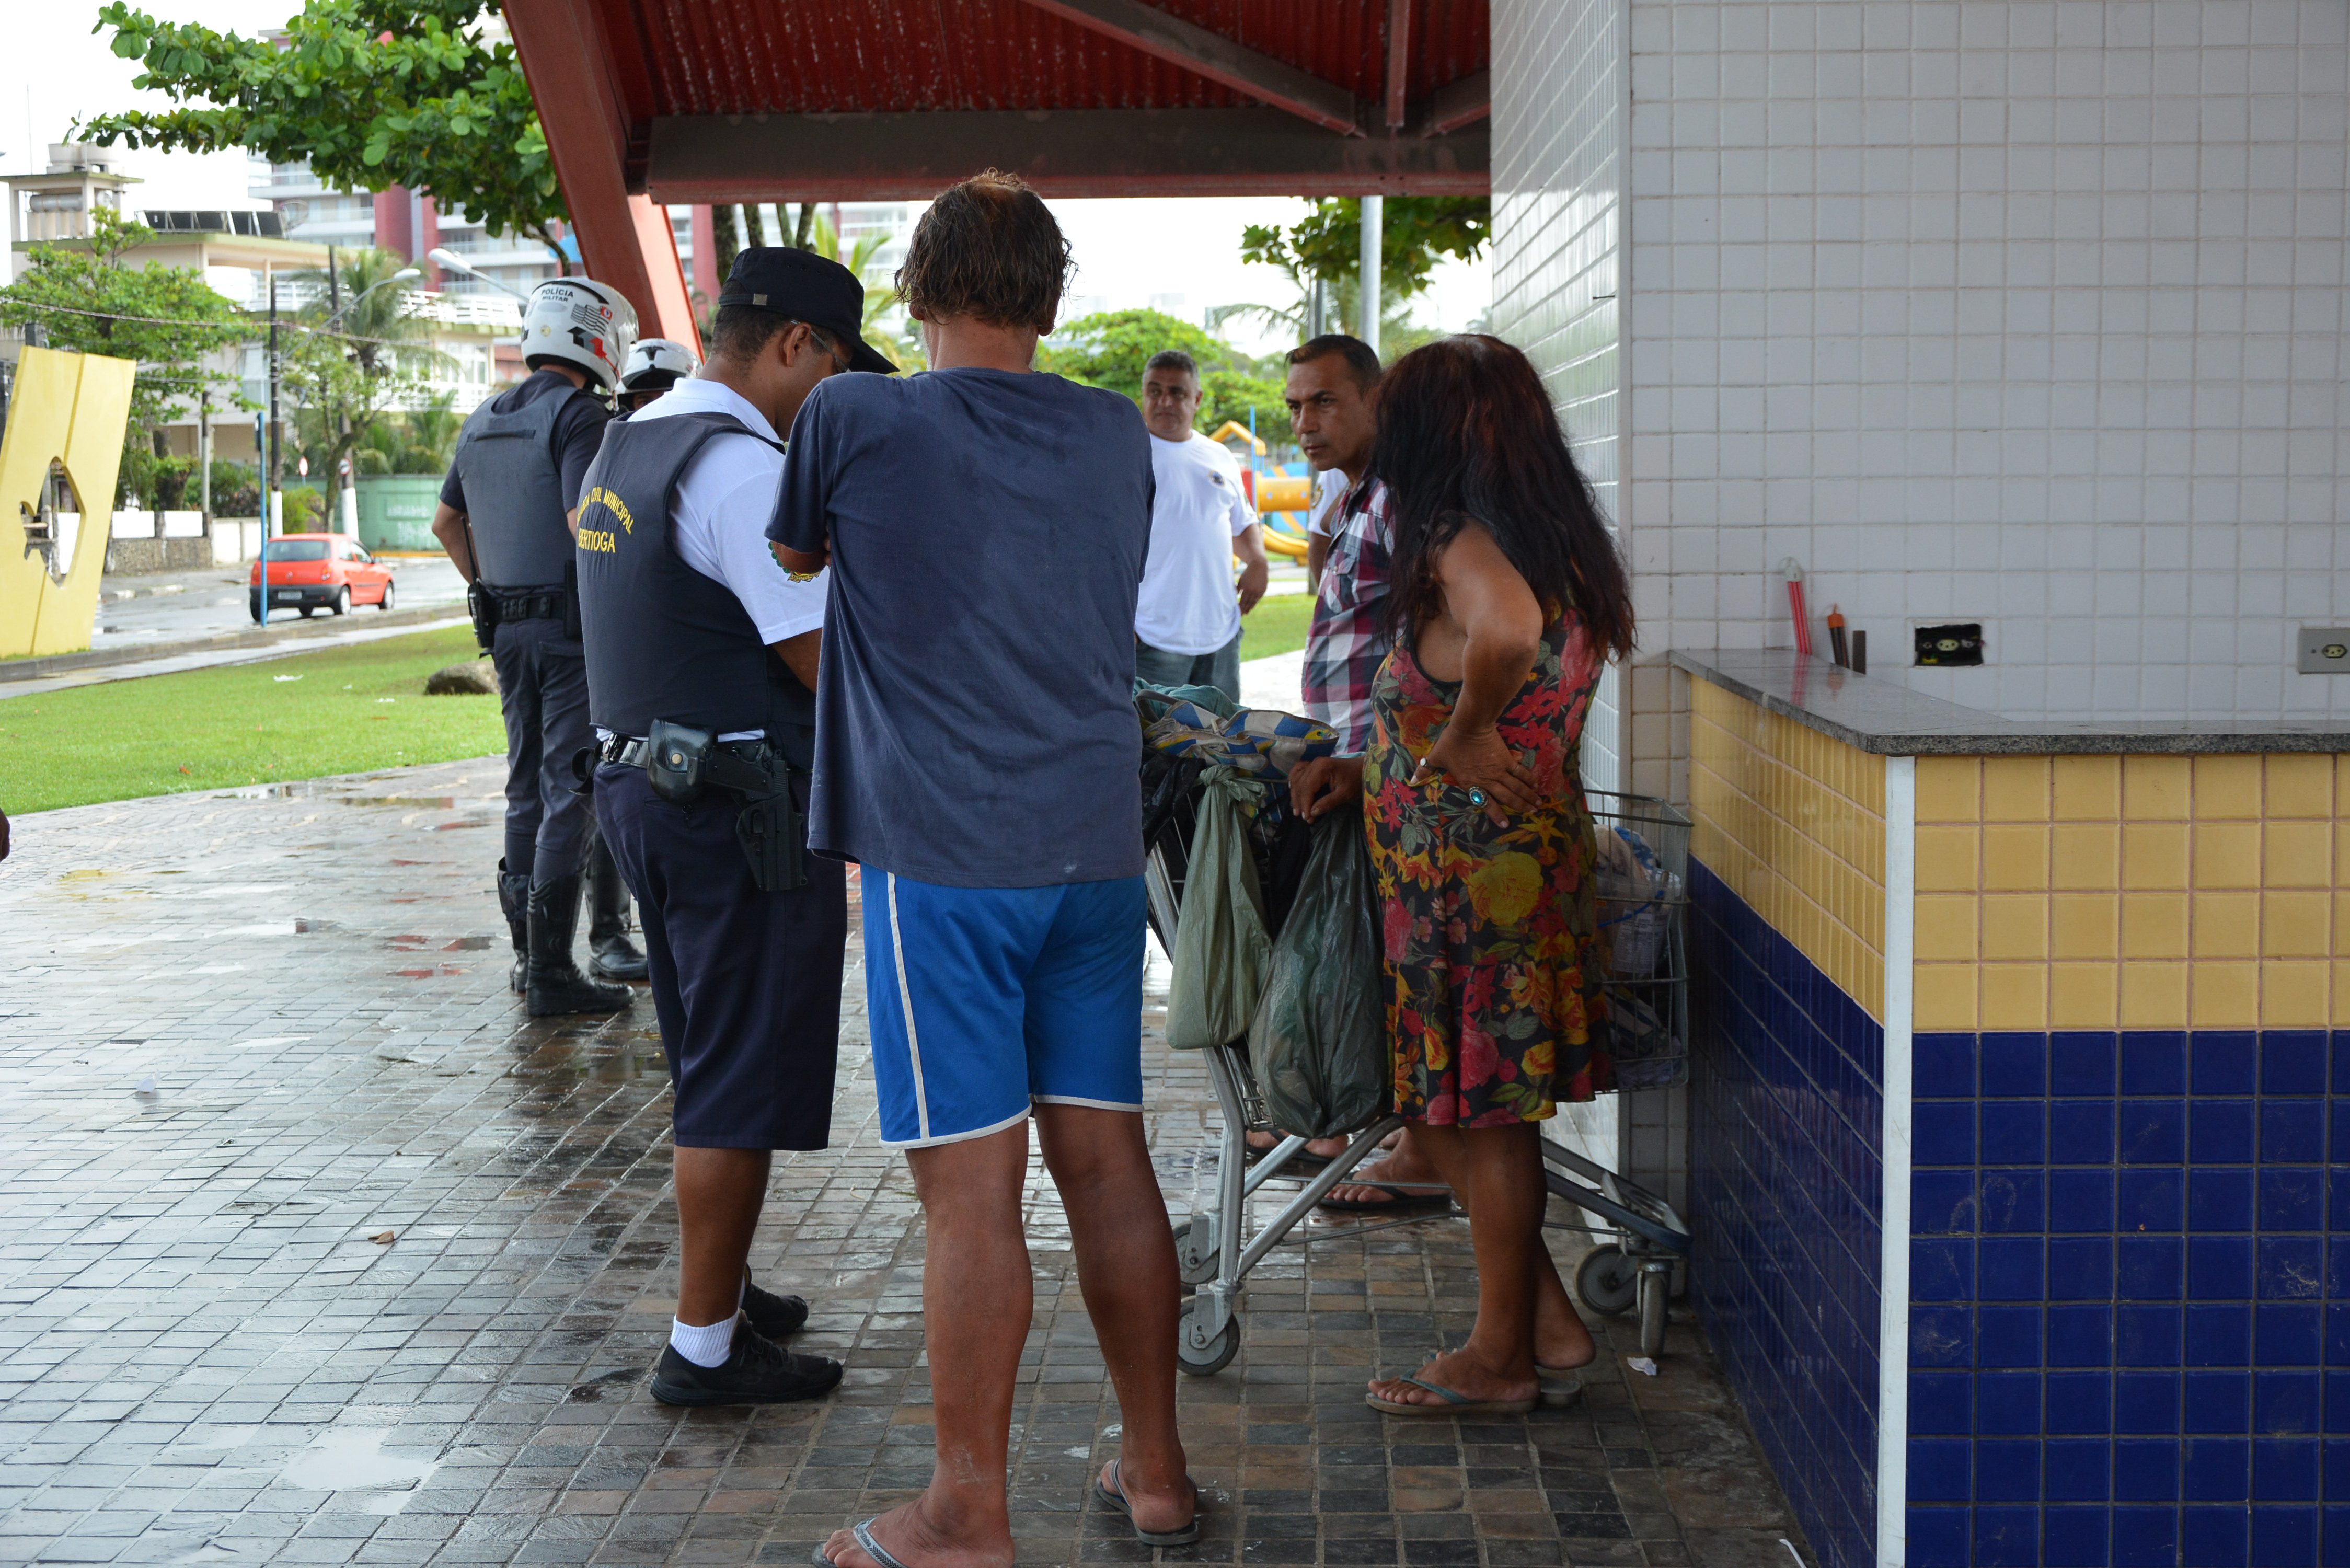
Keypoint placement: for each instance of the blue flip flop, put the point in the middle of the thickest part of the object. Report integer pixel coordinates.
(873, 1549)
(1454, 1403)
(1116, 1499)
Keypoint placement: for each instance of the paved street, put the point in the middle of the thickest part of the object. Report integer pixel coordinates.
(198, 604)
(313, 1248)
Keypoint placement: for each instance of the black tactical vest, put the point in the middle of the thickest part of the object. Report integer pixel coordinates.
(663, 641)
(514, 492)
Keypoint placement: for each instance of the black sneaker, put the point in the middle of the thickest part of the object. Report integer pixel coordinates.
(772, 1315)
(759, 1373)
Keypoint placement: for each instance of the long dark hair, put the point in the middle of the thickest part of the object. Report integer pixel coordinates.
(1466, 431)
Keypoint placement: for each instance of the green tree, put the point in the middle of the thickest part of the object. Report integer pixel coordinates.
(1110, 349)
(1415, 235)
(1234, 395)
(1326, 247)
(370, 93)
(91, 298)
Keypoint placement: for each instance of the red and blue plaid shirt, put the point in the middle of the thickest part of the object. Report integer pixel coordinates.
(1346, 643)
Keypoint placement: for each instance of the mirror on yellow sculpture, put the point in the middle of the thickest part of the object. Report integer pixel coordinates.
(51, 532)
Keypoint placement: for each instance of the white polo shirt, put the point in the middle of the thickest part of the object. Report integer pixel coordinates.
(1187, 603)
(724, 498)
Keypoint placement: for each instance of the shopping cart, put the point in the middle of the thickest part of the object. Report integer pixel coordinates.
(1219, 1245)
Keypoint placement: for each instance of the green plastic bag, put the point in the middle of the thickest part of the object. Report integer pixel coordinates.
(1222, 951)
(1319, 1041)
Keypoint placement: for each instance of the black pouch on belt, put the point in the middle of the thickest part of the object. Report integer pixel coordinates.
(571, 626)
(675, 758)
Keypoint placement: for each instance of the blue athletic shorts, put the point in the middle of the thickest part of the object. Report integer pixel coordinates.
(984, 1000)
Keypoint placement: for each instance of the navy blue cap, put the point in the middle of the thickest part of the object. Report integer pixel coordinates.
(807, 288)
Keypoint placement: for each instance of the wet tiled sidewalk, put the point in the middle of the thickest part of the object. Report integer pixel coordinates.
(243, 1037)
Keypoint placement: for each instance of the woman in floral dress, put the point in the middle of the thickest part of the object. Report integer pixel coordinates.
(1507, 599)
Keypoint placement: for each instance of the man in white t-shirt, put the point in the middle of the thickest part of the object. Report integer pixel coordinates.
(1187, 619)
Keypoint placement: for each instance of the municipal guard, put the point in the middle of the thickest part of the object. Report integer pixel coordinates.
(505, 518)
(701, 668)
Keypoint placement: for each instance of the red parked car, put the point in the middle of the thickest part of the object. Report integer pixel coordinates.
(320, 571)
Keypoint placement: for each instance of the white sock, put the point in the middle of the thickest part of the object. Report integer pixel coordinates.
(708, 1345)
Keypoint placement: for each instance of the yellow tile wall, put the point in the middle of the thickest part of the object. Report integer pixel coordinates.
(2139, 892)
(1793, 822)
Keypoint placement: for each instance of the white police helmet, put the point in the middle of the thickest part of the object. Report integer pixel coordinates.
(580, 322)
(663, 355)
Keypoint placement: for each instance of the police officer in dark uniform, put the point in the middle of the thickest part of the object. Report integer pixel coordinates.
(505, 518)
(701, 668)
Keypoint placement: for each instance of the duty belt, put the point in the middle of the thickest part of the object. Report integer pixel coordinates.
(539, 604)
(747, 767)
(683, 764)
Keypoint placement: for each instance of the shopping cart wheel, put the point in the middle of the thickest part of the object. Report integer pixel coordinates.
(1197, 1263)
(1656, 1284)
(1216, 1357)
(1608, 1282)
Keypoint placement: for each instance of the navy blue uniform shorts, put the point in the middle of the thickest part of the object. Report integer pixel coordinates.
(746, 984)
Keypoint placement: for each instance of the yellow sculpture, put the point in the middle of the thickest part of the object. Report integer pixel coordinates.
(67, 417)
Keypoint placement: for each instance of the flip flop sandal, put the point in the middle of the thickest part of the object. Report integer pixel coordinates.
(1398, 1197)
(1116, 1499)
(1454, 1403)
(873, 1549)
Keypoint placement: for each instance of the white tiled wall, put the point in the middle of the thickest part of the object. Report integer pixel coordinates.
(2019, 312)
(1559, 124)
(1559, 106)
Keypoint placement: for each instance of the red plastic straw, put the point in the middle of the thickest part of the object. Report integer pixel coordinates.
(1803, 619)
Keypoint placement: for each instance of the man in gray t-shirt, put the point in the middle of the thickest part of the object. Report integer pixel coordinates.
(978, 753)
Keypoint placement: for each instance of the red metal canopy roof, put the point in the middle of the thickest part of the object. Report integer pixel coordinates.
(651, 101)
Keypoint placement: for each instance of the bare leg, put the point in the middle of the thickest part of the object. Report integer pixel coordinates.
(976, 1304)
(718, 1194)
(1126, 1266)
(1498, 1172)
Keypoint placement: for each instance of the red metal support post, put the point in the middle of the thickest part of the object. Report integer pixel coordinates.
(1398, 62)
(625, 241)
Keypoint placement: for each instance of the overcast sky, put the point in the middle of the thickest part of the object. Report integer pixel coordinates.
(1129, 252)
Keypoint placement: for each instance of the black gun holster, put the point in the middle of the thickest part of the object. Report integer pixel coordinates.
(683, 764)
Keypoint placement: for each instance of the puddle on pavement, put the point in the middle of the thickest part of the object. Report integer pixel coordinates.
(355, 1461)
(629, 1062)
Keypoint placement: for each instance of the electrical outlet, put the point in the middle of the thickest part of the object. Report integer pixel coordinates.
(2324, 650)
(1949, 643)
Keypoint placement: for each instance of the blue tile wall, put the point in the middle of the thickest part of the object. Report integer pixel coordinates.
(1786, 1193)
(2130, 1300)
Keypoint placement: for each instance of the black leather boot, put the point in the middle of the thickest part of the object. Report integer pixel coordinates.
(514, 897)
(610, 955)
(555, 985)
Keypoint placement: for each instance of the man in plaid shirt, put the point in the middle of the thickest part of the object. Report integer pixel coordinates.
(1332, 388)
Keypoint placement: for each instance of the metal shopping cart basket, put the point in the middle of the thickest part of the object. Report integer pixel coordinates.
(1643, 906)
(1217, 1247)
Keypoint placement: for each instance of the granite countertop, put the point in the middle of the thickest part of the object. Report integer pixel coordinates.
(1879, 716)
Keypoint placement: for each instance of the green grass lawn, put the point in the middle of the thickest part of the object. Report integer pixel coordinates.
(337, 711)
(1277, 624)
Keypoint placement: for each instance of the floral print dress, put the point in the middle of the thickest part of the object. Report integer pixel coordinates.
(1489, 931)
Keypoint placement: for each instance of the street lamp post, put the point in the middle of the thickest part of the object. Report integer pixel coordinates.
(450, 261)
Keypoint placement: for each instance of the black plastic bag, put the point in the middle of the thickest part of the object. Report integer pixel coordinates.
(1319, 1041)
